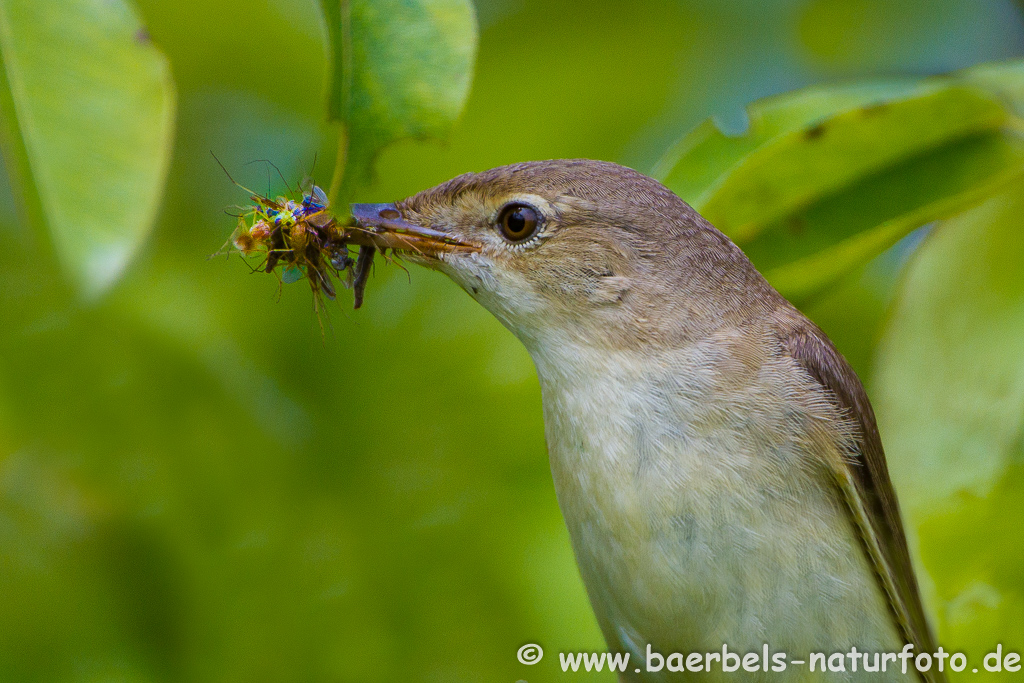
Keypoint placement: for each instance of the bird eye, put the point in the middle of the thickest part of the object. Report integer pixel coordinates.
(518, 222)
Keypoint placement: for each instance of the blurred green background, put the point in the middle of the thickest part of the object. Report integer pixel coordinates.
(195, 485)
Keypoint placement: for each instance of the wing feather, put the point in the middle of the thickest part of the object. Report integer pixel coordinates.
(865, 482)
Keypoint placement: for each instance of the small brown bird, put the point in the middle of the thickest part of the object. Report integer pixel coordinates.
(716, 459)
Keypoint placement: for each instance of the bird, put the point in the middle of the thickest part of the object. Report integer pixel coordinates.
(715, 458)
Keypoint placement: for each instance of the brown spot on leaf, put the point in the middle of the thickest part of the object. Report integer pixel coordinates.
(797, 224)
(875, 109)
(814, 132)
(142, 36)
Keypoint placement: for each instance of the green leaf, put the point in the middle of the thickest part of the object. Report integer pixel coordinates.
(800, 166)
(401, 69)
(88, 108)
(841, 232)
(703, 160)
(827, 178)
(1005, 79)
(949, 394)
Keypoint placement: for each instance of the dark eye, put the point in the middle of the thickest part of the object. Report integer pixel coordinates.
(518, 222)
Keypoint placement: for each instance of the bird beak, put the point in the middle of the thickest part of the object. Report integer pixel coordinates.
(387, 228)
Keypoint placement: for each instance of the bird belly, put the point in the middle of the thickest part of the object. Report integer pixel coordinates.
(695, 527)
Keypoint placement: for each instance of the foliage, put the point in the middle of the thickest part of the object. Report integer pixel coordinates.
(400, 69)
(950, 394)
(193, 486)
(88, 129)
(839, 175)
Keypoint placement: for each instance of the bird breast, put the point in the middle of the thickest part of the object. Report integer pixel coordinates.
(692, 484)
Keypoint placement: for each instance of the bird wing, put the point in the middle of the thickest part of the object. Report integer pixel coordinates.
(865, 483)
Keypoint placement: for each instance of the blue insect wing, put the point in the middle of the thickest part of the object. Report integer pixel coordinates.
(311, 205)
(314, 201)
(319, 196)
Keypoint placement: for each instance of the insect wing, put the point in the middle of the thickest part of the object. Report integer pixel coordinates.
(318, 198)
(363, 264)
(314, 203)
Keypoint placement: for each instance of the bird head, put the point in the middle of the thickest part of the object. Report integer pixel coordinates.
(582, 250)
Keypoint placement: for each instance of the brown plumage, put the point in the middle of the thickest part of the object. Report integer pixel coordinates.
(691, 413)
